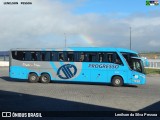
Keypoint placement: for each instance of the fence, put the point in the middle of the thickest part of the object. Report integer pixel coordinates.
(4, 55)
(153, 63)
(4, 58)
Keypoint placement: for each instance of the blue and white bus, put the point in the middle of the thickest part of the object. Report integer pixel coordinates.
(117, 66)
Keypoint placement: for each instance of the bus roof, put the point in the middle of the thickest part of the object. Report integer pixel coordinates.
(76, 49)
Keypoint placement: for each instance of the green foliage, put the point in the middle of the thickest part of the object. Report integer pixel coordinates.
(152, 71)
(147, 3)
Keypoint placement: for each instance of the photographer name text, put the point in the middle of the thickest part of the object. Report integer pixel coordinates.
(17, 3)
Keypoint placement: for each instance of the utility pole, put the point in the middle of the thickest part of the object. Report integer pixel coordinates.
(130, 39)
(65, 40)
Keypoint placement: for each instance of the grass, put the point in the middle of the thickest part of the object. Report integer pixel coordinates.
(152, 71)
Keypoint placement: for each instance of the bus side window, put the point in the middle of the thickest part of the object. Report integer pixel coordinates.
(28, 56)
(110, 56)
(33, 56)
(104, 57)
(47, 56)
(65, 58)
(52, 56)
(70, 56)
(38, 56)
(107, 57)
(101, 57)
(42, 56)
(18, 55)
(76, 56)
(80, 57)
(93, 57)
(118, 60)
(86, 59)
(56, 56)
(61, 56)
(23, 56)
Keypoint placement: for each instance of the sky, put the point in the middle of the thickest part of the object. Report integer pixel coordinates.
(82, 23)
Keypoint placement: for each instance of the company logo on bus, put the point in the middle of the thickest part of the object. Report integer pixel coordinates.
(67, 71)
(108, 66)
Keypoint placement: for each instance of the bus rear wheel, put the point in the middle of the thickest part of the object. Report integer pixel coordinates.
(117, 81)
(45, 78)
(33, 78)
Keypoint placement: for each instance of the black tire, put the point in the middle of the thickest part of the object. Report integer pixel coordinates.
(45, 78)
(117, 81)
(33, 78)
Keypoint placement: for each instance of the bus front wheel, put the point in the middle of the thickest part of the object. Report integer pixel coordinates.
(45, 78)
(117, 81)
(33, 78)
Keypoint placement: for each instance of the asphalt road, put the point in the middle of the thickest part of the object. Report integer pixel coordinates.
(23, 96)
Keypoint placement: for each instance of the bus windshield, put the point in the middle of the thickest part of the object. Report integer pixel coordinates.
(136, 65)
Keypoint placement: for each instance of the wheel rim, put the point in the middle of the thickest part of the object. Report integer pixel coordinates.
(117, 81)
(33, 78)
(44, 78)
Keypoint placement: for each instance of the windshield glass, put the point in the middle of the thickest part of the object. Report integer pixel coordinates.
(128, 56)
(136, 65)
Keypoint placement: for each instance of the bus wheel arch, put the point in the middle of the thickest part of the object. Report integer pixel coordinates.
(45, 77)
(117, 80)
(33, 77)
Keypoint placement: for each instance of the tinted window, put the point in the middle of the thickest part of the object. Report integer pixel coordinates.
(92, 57)
(118, 60)
(45, 56)
(61, 56)
(27, 56)
(70, 56)
(87, 57)
(128, 56)
(31, 56)
(111, 57)
(67, 56)
(54, 56)
(18, 55)
(81, 57)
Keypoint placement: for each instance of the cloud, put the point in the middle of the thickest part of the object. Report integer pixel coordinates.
(154, 43)
(43, 24)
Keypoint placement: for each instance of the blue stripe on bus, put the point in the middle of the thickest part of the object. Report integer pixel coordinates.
(53, 66)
